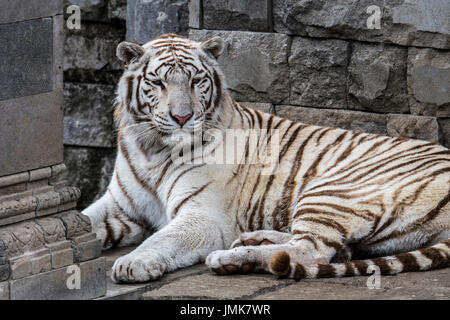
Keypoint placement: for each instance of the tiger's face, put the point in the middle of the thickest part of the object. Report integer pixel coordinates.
(171, 85)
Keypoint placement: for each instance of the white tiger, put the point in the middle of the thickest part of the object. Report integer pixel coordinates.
(332, 195)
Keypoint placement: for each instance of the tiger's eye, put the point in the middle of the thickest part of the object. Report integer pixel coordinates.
(196, 81)
(157, 83)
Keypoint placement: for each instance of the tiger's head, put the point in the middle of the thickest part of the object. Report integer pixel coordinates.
(170, 84)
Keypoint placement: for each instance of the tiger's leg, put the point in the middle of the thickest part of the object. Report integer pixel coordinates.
(186, 240)
(315, 239)
(261, 237)
(112, 225)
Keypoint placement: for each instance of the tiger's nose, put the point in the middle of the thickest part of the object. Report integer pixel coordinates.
(181, 119)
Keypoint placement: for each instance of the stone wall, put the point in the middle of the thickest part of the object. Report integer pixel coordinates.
(317, 61)
(91, 73)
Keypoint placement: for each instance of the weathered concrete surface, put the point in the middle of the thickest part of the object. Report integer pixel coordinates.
(198, 282)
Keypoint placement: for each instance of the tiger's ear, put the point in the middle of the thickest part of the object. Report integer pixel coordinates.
(214, 46)
(129, 52)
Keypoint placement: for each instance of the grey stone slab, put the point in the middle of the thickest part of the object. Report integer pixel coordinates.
(90, 54)
(416, 127)
(21, 10)
(318, 75)
(249, 15)
(429, 82)
(27, 51)
(14, 179)
(52, 285)
(210, 286)
(131, 14)
(157, 17)
(30, 263)
(40, 174)
(88, 115)
(410, 23)
(429, 285)
(31, 132)
(255, 64)
(86, 247)
(195, 14)
(350, 120)
(377, 78)
(61, 254)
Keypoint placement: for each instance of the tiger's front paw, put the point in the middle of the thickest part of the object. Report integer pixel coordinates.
(133, 268)
(237, 260)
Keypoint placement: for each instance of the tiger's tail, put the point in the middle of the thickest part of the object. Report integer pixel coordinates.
(434, 257)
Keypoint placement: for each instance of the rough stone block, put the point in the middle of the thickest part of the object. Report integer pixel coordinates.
(17, 207)
(30, 263)
(249, 15)
(4, 291)
(90, 170)
(156, 17)
(54, 284)
(53, 229)
(90, 54)
(76, 224)
(350, 120)
(429, 82)
(377, 78)
(27, 51)
(416, 127)
(86, 247)
(444, 132)
(61, 254)
(410, 23)
(318, 73)
(39, 133)
(88, 119)
(255, 64)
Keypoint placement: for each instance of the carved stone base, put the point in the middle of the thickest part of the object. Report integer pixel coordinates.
(41, 235)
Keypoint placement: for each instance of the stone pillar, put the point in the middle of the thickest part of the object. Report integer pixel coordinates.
(44, 242)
